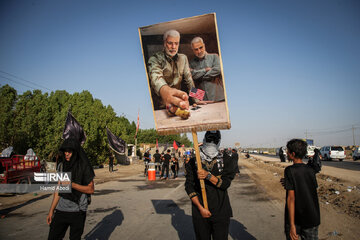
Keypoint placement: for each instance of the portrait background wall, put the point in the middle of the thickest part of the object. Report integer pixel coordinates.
(209, 117)
(200, 26)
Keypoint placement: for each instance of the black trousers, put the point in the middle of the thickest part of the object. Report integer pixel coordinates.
(165, 167)
(157, 167)
(173, 169)
(146, 167)
(61, 222)
(206, 227)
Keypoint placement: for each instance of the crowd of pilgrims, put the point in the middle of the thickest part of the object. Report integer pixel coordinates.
(167, 160)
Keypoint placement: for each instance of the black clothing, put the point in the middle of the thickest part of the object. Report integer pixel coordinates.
(146, 161)
(304, 233)
(212, 136)
(281, 155)
(167, 158)
(165, 166)
(315, 162)
(157, 157)
(217, 196)
(301, 178)
(175, 168)
(147, 157)
(79, 165)
(206, 227)
(235, 157)
(111, 164)
(81, 173)
(62, 220)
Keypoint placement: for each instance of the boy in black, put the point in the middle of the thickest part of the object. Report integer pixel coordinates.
(302, 212)
(157, 158)
(165, 166)
(175, 166)
(146, 161)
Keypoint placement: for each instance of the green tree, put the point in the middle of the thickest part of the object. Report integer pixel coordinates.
(150, 136)
(36, 120)
(31, 120)
(8, 96)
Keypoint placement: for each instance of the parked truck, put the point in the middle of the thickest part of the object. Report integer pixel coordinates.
(19, 168)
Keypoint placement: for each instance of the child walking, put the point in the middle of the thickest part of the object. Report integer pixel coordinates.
(302, 212)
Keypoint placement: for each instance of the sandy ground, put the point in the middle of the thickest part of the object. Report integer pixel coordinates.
(339, 207)
(101, 175)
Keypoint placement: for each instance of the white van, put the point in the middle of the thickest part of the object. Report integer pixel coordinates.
(310, 151)
(332, 152)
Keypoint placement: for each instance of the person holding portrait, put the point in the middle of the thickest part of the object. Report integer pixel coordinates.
(218, 171)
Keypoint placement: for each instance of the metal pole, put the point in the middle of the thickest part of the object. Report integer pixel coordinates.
(353, 131)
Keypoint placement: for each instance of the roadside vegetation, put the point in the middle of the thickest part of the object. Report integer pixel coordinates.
(36, 120)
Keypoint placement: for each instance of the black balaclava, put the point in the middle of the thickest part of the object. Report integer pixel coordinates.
(210, 148)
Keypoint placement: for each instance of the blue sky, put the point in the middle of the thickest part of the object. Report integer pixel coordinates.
(290, 67)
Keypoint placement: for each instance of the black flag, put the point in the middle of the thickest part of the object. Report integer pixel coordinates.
(73, 129)
(176, 145)
(116, 143)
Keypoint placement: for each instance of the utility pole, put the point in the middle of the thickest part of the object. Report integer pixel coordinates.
(353, 131)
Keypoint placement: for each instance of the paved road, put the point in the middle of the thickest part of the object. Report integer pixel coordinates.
(348, 164)
(134, 208)
(347, 171)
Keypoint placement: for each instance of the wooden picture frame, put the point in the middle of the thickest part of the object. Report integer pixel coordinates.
(212, 116)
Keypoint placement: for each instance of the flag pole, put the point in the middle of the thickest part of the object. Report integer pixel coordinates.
(198, 162)
(137, 129)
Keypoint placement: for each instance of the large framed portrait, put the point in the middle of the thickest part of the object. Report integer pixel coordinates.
(185, 75)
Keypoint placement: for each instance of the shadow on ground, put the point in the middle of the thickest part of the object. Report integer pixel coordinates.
(6, 211)
(106, 226)
(238, 231)
(183, 223)
(179, 220)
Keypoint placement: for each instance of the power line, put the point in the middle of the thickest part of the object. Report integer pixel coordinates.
(321, 133)
(16, 82)
(22, 79)
(331, 128)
